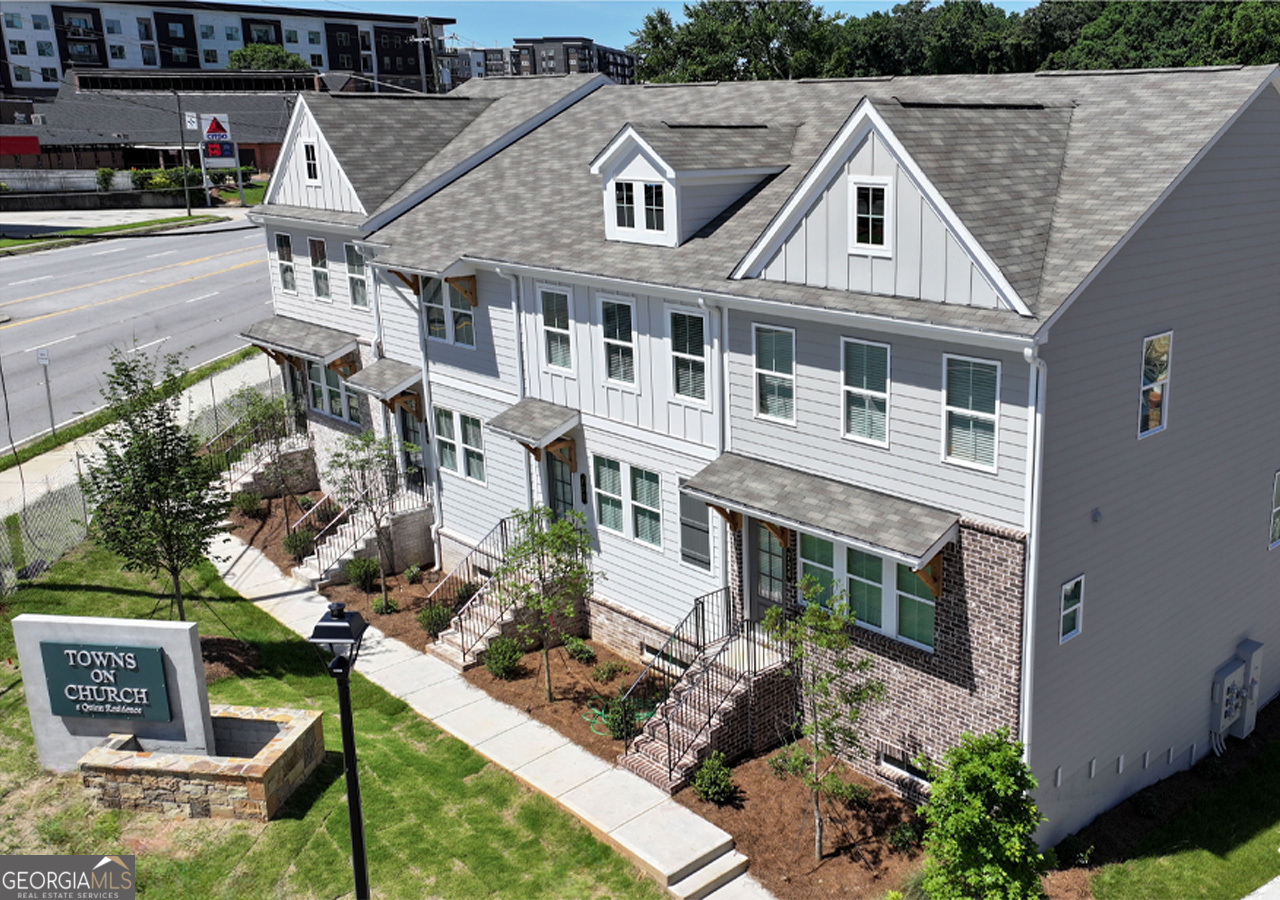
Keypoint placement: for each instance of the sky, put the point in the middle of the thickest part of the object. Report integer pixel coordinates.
(495, 23)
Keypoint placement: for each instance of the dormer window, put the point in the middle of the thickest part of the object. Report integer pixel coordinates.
(653, 217)
(625, 197)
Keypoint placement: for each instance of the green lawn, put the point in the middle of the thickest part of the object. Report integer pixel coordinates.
(440, 822)
(1225, 844)
(254, 192)
(161, 224)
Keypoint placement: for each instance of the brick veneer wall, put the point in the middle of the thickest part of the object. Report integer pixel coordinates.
(624, 631)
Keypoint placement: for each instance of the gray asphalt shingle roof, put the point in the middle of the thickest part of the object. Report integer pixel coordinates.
(385, 378)
(693, 146)
(782, 494)
(146, 117)
(300, 338)
(534, 421)
(1059, 186)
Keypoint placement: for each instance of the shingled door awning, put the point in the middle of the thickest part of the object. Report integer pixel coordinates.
(390, 381)
(538, 425)
(910, 532)
(292, 337)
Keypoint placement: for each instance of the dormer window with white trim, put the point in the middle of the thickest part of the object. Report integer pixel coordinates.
(870, 223)
(625, 201)
(653, 208)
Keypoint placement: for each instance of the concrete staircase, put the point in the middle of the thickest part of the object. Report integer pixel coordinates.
(448, 646)
(330, 559)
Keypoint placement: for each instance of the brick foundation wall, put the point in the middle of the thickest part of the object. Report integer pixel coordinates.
(623, 631)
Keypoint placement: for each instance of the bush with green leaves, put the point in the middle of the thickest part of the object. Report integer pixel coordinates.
(579, 649)
(300, 544)
(385, 605)
(465, 592)
(607, 671)
(502, 658)
(982, 821)
(105, 176)
(435, 619)
(713, 781)
(363, 573)
(413, 575)
(791, 761)
(620, 718)
(247, 503)
(904, 837)
(304, 502)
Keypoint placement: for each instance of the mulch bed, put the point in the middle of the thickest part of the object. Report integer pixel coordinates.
(224, 656)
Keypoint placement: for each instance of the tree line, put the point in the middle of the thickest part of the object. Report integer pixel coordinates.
(750, 40)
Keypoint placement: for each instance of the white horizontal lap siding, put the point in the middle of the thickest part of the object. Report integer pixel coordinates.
(927, 262)
(646, 579)
(399, 320)
(491, 363)
(912, 466)
(333, 191)
(1177, 568)
(334, 312)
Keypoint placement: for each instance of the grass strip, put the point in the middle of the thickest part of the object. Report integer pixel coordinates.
(69, 235)
(91, 422)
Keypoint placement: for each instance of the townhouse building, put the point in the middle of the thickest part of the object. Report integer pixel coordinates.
(989, 357)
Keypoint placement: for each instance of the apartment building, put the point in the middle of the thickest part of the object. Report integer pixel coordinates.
(571, 55)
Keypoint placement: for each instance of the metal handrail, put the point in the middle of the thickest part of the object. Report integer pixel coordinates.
(323, 552)
(700, 685)
(319, 504)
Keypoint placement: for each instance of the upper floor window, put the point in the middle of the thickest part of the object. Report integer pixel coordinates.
(313, 37)
(263, 34)
(454, 323)
(312, 161)
(206, 32)
(38, 22)
(775, 373)
(319, 268)
(116, 51)
(866, 391)
(284, 258)
(21, 73)
(688, 356)
(356, 279)
(290, 36)
(619, 341)
(624, 199)
(869, 224)
(12, 20)
(329, 394)
(44, 48)
(317, 61)
(176, 30)
(695, 533)
(211, 56)
(1275, 513)
(144, 30)
(653, 208)
(1153, 407)
(232, 32)
(1072, 607)
(453, 429)
(970, 394)
(48, 74)
(17, 48)
(179, 54)
(113, 26)
(149, 57)
(557, 339)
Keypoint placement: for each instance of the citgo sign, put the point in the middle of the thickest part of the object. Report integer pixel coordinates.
(106, 682)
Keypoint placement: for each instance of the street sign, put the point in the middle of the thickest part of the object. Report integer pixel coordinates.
(42, 356)
(192, 121)
(215, 127)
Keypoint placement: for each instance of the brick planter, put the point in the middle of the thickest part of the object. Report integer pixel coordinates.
(277, 750)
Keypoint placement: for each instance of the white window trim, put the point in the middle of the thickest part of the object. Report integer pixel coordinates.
(888, 392)
(994, 468)
(348, 397)
(643, 206)
(1079, 610)
(1275, 490)
(631, 520)
(292, 263)
(364, 276)
(705, 402)
(460, 447)
(311, 268)
(621, 498)
(634, 384)
(450, 337)
(463, 447)
(629, 504)
(755, 376)
(885, 250)
(553, 288)
(634, 218)
(1168, 378)
(308, 161)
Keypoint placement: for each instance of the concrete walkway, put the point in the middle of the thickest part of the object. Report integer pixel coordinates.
(686, 853)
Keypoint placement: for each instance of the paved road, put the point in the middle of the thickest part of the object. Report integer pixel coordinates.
(189, 290)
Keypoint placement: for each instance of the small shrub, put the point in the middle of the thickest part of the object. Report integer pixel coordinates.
(503, 657)
(904, 837)
(363, 573)
(413, 575)
(849, 792)
(791, 761)
(305, 503)
(607, 671)
(247, 503)
(713, 781)
(105, 176)
(300, 544)
(384, 606)
(435, 619)
(620, 718)
(579, 650)
(326, 513)
(1051, 859)
(465, 592)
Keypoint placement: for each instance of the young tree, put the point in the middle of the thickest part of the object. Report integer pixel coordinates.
(152, 495)
(980, 840)
(265, 57)
(266, 422)
(547, 570)
(367, 479)
(834, 686)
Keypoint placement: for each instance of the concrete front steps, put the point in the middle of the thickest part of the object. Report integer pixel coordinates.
(356, 534)
(448, 646)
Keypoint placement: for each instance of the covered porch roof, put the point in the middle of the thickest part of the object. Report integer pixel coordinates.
(534, 423)
(280, 334)
(385, 378)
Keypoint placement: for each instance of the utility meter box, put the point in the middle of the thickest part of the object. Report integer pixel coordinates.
(1228, 690)
(1251, 653)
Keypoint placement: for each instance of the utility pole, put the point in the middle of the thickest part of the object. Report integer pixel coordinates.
(182, 137)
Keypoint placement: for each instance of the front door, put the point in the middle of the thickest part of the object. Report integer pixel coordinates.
(560, 483)
(768, 571)
(411, 433)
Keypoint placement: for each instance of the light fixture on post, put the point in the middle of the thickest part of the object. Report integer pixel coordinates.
(340, 632)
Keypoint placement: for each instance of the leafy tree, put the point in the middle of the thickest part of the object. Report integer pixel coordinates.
(834, 686)
(980, 840)
(266, 422)
(265, 57)
(153, 500)
(367, 479)
(546, 571)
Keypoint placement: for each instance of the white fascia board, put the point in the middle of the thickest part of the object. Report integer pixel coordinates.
(622, 142)
(493, 148)
(286, 150)
(269, 219)
(988, 340)
(692, 176)
(863, 121)
(1272, 81)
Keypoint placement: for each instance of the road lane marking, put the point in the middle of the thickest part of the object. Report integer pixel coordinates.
(29, 280)
(151, 344)
(204, 296)
(158, 287)
(50, 343)
(161, 253)
(77, 287)
(113, 250)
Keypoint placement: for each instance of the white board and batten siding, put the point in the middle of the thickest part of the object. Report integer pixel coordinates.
(1177, 566)
(912, 465)
(927, 261)
(291, 187)
(650, 403)
(334, 312)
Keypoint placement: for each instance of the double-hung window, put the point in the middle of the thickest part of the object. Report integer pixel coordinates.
(557, 339)
(455, 322)
(646, 506)
(284, 257)
(329, 394)
(452, 428)
(865, 578)
(817, 569)
(319, 268)
(915, 608)
(866, 391)
(970, 411)
(624, 202)
(1275, 513)
(232, 32)
(357, 279)
(206, 32)
(1153, 407)
(472, 447)
(870, 200)
(640, 489)
(609, 503)
(695, 533)
(688, 356)
(619, 340)
(312, 161)
(1072, 609)
(775, 373)
(654, 212)
(446, 440)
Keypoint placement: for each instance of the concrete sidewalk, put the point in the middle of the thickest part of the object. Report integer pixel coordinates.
(686, 853)
(37, 222)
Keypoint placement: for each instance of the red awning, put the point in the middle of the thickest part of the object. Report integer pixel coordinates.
(19, 145)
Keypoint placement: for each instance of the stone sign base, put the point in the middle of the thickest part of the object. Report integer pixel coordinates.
(264, 755)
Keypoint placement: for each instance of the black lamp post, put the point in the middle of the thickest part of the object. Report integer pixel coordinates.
(340, 633)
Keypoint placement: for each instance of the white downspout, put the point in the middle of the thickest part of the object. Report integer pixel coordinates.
(1034, 489)
(517, 329)
(720, 393)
